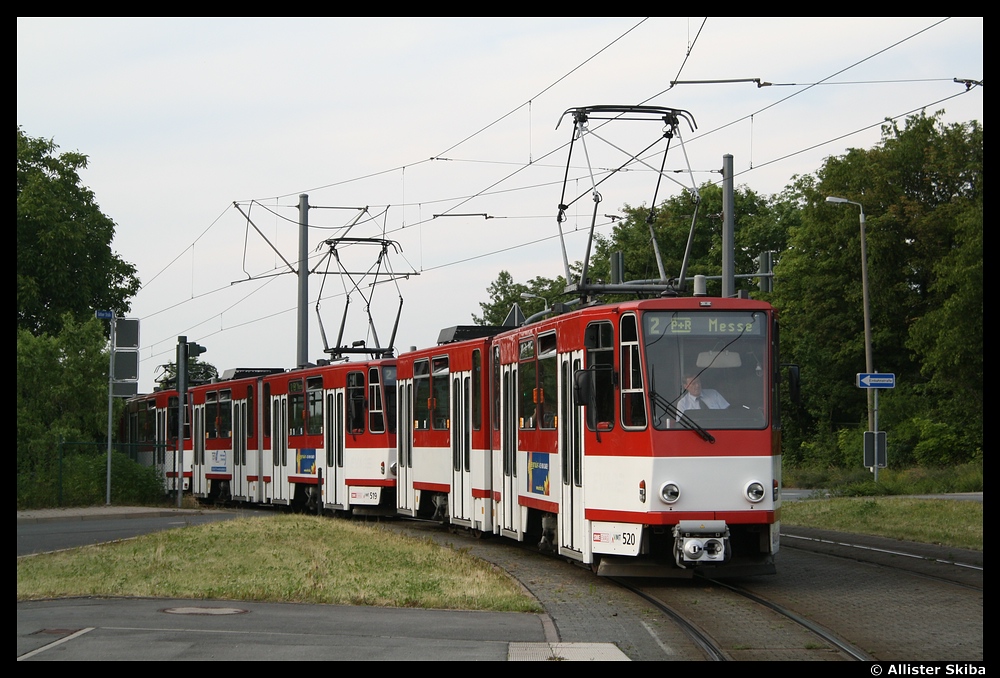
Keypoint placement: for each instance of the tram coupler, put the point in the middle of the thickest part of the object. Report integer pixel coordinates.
(701, 541)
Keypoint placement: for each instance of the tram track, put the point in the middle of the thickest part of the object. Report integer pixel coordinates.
(754, 629)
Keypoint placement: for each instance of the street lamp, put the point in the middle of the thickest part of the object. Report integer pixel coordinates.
(864, 288)
(541, 314)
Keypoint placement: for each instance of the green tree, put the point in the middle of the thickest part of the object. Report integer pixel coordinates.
(758, 227)
(64, 260)
(198, 373)
(921, 188)
(504, 293)
(62, 395)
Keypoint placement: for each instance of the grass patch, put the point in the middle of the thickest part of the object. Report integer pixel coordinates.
(931, 521)
(856, 482)
(290, 558)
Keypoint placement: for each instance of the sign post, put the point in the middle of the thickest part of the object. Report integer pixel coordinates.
(875, 444)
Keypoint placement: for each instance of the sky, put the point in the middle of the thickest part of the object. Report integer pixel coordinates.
(193, 125)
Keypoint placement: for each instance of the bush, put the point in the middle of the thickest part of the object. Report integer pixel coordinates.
(82, 481)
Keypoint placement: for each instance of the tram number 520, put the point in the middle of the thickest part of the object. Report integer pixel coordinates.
(617, 538)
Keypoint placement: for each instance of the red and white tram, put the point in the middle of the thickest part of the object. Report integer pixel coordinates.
(330, 437)
(151, 429)
(578, 431)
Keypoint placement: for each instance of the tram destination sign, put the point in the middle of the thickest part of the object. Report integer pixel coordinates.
(876, 380)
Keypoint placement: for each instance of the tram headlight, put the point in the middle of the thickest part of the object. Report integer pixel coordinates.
(754, 491)
(670, 492)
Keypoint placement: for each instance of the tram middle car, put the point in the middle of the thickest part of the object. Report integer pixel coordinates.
(641, 438)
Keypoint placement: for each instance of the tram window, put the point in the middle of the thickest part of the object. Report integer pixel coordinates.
(251, 432)
(389, 392)
(267, 410)
(599, 340)
(296, 408)
(212, 415)
(314, 394)
(422, 394)
(547, 369)
(441, 400)
(356, 402)
(633, 395)
(225, 421)
(376, 417)
(527, 382)
(477, 390)
(495, 413)
(171, 419)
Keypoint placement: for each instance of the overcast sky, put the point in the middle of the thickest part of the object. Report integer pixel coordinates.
(183, 117)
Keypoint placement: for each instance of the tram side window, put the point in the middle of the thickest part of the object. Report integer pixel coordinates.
(355, 402)
(547, 378)
(495, 412)
(421, 394)
(147, 422)
(389, 391)
(599, 341)
(633, 395)
(314, 401)
(477, 390)
(441, 399)
(172, 418)
(251, 413)
(225, 421)
(526, 382)
(376, 416)
(267, 410)
(296, 408)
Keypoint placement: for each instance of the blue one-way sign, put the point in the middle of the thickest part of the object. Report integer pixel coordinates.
(876, 380)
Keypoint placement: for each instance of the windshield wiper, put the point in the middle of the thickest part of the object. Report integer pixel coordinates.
(681, 418)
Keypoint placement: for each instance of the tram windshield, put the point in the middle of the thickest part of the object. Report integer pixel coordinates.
(707, 369)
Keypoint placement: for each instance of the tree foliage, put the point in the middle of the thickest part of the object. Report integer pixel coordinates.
(504, 293)
(198, 373)
(921, 189)
(64, 260)
(62, 395)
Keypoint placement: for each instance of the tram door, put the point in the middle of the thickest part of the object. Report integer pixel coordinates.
(405, 502)
(279, 450)
(238, 487)
(460, 501)
(161, 453)
(571, 521)
(199, 484)
(510, 514)
(254, 467)
(334, 489)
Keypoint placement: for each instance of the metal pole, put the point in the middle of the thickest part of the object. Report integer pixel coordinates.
(869, 367)
(181, 411)
(111, 378)
(302, 348)
(728, 229)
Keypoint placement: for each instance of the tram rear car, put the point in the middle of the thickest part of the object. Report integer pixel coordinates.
(151, 431)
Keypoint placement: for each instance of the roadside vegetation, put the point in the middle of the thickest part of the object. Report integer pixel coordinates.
(859, 482)
(958, 524)
(289, 558)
